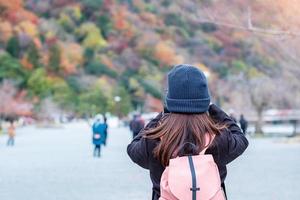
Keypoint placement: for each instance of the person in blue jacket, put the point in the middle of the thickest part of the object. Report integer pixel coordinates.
(99, 134)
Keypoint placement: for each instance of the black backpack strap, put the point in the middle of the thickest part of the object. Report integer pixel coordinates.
(194, 187)
(224, 189)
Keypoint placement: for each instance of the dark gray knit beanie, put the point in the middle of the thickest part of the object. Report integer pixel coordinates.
(187, 90)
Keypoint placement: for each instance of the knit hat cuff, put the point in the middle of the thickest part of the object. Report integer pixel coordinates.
(188, 105)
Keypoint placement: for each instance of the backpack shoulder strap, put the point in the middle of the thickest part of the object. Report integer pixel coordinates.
(194, 187)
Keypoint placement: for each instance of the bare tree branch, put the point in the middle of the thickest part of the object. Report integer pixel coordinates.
(251, 29)
(248, 28)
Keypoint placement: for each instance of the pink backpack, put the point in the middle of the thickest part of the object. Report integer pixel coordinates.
(191, 178)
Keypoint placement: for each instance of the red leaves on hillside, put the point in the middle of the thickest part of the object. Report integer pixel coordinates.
(119, 18)
(71, 56)
(6, 31)
(11, 4)
(153, 104)
(14, 12)
(166, 54)
(13, 103)
(26, 64)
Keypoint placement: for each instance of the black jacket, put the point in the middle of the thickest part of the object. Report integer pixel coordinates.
(225, 148)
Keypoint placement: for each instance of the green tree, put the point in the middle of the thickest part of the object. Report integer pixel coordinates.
(66, 22)
(151, 89)
(73, 82)
(124, 106)
(39, 84)
(208, 27)
(105, 24)
(63, 94)
(92, 101)
(54, 58)
(89, 55)
(13, 47)
(91, 36)
(98, 68)
(239, 66)
(10, 68)
(92, 4)
(34, 56)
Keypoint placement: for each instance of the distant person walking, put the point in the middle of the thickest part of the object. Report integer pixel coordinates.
(99, 134)
(244, 124)
(136, 125)
(105, 132)
(11, 134)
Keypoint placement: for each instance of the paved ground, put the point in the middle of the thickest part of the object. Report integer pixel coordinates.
(57, 164)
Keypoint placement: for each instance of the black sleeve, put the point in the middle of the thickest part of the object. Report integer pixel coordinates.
(138, 149)
(231, 143)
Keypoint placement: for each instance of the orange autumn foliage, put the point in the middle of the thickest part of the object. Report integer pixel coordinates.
(202, 67)
(22, 15)
(6, 31)
(26, 64)
(119, 18)
(27, 27)
(120, 15)
(37, 42)
(14, 12)
(71, 57)
(153, 104)
(11, 4)
(121, 23)
(68, 67)
(166, 54)
(106, 61)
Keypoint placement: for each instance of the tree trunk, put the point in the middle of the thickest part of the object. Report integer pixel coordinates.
(259, 122)
(294, 123)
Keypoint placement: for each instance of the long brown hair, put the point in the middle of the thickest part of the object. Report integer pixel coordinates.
(176, 130)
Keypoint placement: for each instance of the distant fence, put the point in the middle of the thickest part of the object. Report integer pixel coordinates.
(284, 122)
(273, 116)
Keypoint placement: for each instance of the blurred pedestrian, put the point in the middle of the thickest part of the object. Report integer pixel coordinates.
(105, 132)
(192, 128)
(244, 124)
(99, 134)
(11, 134)
(136, 125)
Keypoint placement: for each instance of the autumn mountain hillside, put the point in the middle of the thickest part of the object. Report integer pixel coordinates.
(78, 55)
